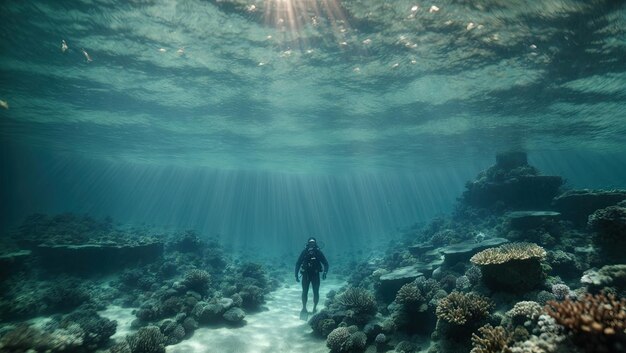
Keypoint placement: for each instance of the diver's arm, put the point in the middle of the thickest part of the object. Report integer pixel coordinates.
(324, 261)
(299, 263)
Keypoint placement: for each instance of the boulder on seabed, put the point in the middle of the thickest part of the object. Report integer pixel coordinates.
(234, 315)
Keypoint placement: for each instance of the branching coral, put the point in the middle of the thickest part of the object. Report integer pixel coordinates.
(508, 252)
(491, 340)
(460, 308)
(410, 297)
(597, 322)
(359, 300)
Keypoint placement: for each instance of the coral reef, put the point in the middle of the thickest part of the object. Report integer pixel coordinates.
(513, 267)
(610, 278)
(81, 331)
(511, 183)
(577, 205)
(460, 308)
(597, 322)
(346, 339)
(197, 280)
(491, 340)
(147, 340)
(359, 300)
(410, 298)
(525, 310)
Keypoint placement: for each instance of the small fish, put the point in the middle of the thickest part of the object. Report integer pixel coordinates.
(87, 57)
(64, 46)
(4, 104)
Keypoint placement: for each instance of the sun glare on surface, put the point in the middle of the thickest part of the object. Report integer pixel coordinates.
(301, 19)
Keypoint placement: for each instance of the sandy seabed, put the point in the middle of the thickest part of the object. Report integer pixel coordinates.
(275, 330)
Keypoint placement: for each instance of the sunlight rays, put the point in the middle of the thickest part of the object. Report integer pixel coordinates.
(299, 20)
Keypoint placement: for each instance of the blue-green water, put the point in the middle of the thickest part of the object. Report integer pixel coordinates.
(266, 121)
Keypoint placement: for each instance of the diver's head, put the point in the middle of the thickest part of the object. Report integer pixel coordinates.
(312, 242)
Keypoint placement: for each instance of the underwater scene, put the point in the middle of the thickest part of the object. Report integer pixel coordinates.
(323, 176)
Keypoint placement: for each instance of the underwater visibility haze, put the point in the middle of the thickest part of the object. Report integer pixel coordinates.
(462, 165)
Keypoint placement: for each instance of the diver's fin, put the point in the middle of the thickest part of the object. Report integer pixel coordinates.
(304, 315)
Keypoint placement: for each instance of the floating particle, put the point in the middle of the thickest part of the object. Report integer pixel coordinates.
(268, 37)
(4, 104)
(64, 46)
(181, 51)
(261, 63)
(162, 50)
(470, 26)
(448, 22)
(415, 8)
(251, 8)
(413, 61)
(87, 57)
(309, 51)
(343, 43)
(533, 47)
(357, 69)
(367, 41)
(394, 66)
(433, 9)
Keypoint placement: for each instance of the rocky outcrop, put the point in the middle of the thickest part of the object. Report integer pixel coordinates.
(577, 205)
(512, 184)
(527, 220)
(91, 258)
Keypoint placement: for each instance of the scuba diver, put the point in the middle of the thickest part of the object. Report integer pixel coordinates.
(309, 265)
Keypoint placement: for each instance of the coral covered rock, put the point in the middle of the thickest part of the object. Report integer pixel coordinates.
(511, 183)
(234, 315)
(609, 225)
(391, 282)
(610, 277)
(514, 267)
(577, 205)
(97, 329)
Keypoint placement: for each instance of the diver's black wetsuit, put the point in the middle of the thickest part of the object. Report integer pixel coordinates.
(310, 269)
